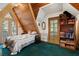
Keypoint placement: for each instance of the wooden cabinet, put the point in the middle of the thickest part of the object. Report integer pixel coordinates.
(68, 31)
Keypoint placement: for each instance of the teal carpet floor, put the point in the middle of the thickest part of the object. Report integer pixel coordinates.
(43, 49)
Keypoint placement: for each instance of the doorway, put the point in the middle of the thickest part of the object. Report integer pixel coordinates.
(53, 30)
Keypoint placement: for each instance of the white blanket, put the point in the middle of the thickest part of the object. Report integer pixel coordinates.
(21, 41)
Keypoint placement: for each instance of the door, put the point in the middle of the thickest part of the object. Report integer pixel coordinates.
(53, 30)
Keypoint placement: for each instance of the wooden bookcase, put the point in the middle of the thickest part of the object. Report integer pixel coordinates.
(67, 32)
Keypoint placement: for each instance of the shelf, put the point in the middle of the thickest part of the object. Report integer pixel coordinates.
(63, 41)
(66, 24)
(70, 43)
(67, 38)
(67, 32)
(71, 23)
(70, 47)
(67, 42)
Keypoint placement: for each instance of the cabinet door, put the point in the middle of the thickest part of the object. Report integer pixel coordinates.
(53, 31)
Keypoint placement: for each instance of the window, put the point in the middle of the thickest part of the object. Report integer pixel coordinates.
(8, 26)
(13, 26)
(4, 28)
(53, 27)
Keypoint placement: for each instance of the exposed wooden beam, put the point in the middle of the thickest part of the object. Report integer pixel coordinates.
(75, 5)
(35, 24)
(17, 20)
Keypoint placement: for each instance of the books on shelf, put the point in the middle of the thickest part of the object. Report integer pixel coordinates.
(67, 31)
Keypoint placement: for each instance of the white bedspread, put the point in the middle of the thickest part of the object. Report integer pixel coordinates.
(21, 41)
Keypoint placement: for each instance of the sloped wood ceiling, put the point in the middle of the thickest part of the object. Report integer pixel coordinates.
(76, 5)
(36, 6)
(25, 17)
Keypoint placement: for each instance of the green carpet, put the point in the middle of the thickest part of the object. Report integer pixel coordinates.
(43, 49)
(0, 52)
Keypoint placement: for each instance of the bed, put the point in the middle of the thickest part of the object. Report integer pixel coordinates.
(16, 43)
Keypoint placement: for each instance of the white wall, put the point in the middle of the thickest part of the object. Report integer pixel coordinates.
(43, 16)
(46, 21)
(40, 18)
(70, 9)
(53, 8)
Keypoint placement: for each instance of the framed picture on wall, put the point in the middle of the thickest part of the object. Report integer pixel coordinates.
(43, 25)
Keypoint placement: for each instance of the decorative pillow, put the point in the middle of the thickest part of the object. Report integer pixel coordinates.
(34, 33)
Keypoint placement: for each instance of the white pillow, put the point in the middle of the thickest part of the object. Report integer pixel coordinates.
(34, 33)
